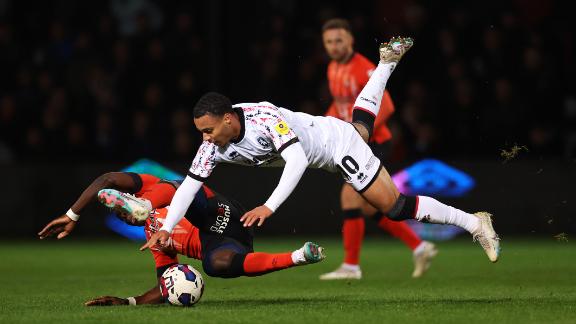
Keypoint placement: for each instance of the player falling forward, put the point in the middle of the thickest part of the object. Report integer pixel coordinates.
(211, 232)
(348, 72)
(256, 134)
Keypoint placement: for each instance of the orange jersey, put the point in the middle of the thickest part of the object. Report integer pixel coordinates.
(345, 82)
(184, 240)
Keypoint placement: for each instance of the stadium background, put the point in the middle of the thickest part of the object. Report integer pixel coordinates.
(93, 86)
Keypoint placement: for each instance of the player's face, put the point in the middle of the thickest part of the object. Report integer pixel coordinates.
(215, 129)
(338, 44)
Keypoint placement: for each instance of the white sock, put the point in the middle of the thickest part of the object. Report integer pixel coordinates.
(370, 97)
(351, 267)
(433, 211)
(420, 248)
(298, 256)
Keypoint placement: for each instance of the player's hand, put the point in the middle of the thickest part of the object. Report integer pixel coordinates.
(160, 238)
(107, 301)
(259, 214)
(62, 226)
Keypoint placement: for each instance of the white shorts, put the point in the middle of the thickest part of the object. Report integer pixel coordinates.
(355, 160)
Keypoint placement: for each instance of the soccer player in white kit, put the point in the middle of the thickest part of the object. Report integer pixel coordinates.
(261, 134)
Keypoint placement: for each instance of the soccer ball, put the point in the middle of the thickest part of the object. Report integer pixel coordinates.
(182, 285)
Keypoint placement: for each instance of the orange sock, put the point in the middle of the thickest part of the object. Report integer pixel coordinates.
(259, 263)
(159, 194)
(400, 230)
(353, 235)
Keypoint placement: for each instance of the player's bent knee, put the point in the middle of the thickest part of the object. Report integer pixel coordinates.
(226, 264)
(364, 123)
(404, 208)
(363, 130)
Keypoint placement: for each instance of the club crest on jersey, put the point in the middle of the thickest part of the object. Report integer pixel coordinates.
(263, 142)
(233, 154)
(282, 128)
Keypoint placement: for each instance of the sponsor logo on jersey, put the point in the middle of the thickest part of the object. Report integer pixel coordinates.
(368, 100)
(371, 162)
(263, 142)
(233, 155)
(362, 177)
(282, 128)
(222, 219)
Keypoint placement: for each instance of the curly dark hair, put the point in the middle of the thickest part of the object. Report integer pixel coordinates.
(212, 103)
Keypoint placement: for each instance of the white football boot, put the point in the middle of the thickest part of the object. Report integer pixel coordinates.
(486, 236)
(423, 256)
(309, 253)
(124, 202)
(343, 273)
(392, 51)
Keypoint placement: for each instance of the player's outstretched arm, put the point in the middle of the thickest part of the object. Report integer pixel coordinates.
(152, 296)
(180, 202)
(63, 225)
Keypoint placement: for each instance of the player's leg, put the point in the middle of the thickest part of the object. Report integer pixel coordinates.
(259, 263)
(232, 259)
(352, 235)
(160, 194)
(382, 194)
(156, 193)
(368, 102)
(365, 173)
(422, 251)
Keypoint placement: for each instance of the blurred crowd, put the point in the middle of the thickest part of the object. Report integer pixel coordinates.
(117, 80)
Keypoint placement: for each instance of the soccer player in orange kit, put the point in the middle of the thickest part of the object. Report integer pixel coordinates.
(212, 231)
(348, 72)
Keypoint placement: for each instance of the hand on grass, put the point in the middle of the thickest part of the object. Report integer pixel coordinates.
(107, 301)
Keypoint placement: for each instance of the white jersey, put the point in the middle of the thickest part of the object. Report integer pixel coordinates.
(266, 131)
(329, 143)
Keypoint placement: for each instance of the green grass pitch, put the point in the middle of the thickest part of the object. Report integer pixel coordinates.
(534, 282)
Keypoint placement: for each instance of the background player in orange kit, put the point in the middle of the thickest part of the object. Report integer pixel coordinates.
(211, 232)
(348, 72)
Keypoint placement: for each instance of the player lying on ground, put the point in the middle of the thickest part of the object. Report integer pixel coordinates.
(211, 232)
(261, 133)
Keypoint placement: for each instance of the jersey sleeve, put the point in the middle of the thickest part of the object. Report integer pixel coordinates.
(274, 127)
(204, 162)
